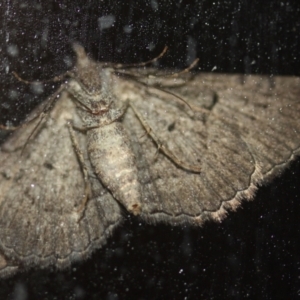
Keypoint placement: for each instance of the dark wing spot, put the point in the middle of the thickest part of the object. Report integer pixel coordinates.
(171, 127)
(48, 165)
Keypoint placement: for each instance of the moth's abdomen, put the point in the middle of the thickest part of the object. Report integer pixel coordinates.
(114, 163)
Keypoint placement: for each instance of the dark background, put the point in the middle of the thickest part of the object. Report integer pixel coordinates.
(254, 253)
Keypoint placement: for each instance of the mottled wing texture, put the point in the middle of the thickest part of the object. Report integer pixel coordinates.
(41, 190)
(242, 131)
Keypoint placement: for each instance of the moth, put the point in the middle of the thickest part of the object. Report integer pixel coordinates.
(180, 149)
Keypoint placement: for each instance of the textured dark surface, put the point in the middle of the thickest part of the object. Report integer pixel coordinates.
(253, 253)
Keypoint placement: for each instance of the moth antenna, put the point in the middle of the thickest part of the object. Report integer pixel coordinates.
(142, 64)
(54, 79)
(186, 70)
(159, 89)
(173, 75)
(175, 96)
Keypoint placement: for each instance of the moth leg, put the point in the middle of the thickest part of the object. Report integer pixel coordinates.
(160, 146)
(51, 102)
(80, 209)
(54, 79)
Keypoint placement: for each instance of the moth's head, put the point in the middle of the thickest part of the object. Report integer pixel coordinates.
(87, 71)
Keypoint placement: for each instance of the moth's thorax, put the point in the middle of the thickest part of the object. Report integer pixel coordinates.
(84, 93)
(99, 120)
(96, 108)
(89, 77)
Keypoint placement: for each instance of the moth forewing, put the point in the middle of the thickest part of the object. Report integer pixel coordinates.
(41, 190)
